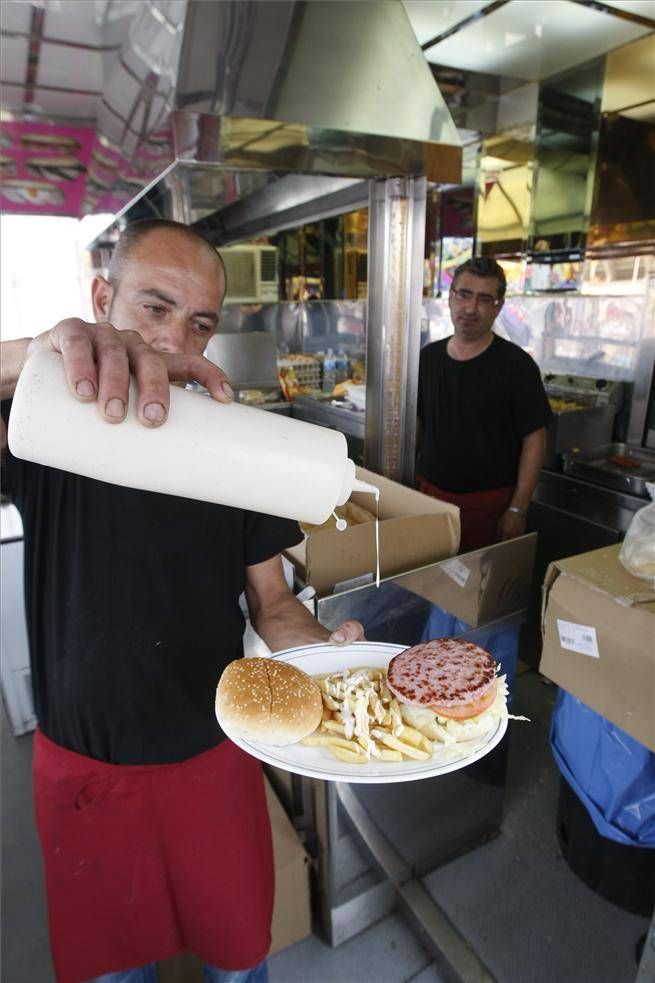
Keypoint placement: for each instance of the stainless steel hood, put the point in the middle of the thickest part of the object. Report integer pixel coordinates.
(211, 104)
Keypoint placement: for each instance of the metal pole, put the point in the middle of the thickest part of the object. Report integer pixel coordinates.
(643, 369)
(396, 239)
(178, 205)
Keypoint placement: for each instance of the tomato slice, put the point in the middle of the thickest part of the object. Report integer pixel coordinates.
(466, 710)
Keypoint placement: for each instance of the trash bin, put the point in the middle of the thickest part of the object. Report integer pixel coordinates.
(606, 807)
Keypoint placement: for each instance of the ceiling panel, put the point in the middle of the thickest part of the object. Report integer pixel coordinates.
(629, 76)
(430, 18)
(71, 70)
(64, 104)
(16, 15)
(70, 20)
(13, 59)
(533, 41)
(12, 97)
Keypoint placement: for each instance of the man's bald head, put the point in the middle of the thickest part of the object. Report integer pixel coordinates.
(135, 234)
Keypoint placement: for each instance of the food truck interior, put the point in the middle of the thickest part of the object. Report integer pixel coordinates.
(344, 158)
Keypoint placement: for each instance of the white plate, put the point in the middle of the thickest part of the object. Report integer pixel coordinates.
(317, 762)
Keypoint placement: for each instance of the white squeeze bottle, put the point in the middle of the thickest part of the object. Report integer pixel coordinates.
(214, 452)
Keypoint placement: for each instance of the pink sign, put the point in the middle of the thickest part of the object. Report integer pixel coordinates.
(113, 181)
(43, 168)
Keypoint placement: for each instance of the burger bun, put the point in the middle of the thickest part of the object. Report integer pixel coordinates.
(268, 701)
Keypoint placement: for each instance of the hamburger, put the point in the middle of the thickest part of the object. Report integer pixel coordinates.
(55, 168)
(49, 141)
(449, 686)
(268, 701)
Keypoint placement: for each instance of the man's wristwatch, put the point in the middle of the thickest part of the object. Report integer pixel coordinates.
(517, 511)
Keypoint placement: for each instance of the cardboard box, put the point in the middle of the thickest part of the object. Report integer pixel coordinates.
(482, 586)
(291, 909)
(598, 624)
(292, 920)
(415, 530)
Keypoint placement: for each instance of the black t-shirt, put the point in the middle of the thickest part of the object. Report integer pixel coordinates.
(474, 415)
(132, 610)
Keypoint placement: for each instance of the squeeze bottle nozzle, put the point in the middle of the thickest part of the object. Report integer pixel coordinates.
(363, 486)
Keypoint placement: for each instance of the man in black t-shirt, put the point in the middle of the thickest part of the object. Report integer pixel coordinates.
(154, 828)
(482, 413)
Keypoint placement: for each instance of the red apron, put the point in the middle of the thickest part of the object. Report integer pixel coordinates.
(480, 512)
(143, 861)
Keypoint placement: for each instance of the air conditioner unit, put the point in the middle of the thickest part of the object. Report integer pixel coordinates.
(251, 274)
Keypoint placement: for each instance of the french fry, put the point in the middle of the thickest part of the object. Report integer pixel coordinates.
(334, 726)
(381, 731)
(396, 745)
(411, 736)
(329, 740)
(369, 671)
(431, 732)
(329, 702)
(316, 740)
(385, 693)
(352, 757)
(386, 754)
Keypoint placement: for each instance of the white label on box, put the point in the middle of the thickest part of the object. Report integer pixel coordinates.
(578, 638)
(457, 571)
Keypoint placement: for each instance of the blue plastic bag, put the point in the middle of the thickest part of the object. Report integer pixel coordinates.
(611, 773)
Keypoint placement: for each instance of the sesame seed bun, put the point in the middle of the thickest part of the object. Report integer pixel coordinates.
(268, 701)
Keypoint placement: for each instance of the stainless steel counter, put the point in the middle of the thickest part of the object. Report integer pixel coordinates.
(350, 423)
(606, 508)
(323, 412)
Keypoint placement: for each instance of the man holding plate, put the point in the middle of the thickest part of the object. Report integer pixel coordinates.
(154, 829)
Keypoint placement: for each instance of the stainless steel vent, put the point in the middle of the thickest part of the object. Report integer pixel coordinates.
(214, 100)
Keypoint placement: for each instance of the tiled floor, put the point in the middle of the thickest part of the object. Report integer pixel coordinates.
(527, 916)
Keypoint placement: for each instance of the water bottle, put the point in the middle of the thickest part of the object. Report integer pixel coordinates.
(226, 453)
(329, 372)
(341, 366)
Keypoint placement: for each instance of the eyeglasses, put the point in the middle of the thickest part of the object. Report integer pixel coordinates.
(486, 301)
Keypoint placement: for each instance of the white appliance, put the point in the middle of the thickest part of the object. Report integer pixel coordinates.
(252, 276)
(15, 664)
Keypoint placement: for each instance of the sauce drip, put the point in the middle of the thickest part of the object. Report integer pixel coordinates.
(363, 486)
(377, 537)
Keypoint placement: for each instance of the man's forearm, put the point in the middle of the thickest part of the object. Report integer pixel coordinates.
(12, 360)
(530, 464)
(286, 623)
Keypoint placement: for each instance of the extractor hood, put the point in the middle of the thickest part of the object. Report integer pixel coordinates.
(262, 92)
(210, 102)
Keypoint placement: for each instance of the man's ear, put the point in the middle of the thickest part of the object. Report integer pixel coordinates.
(102, 294)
